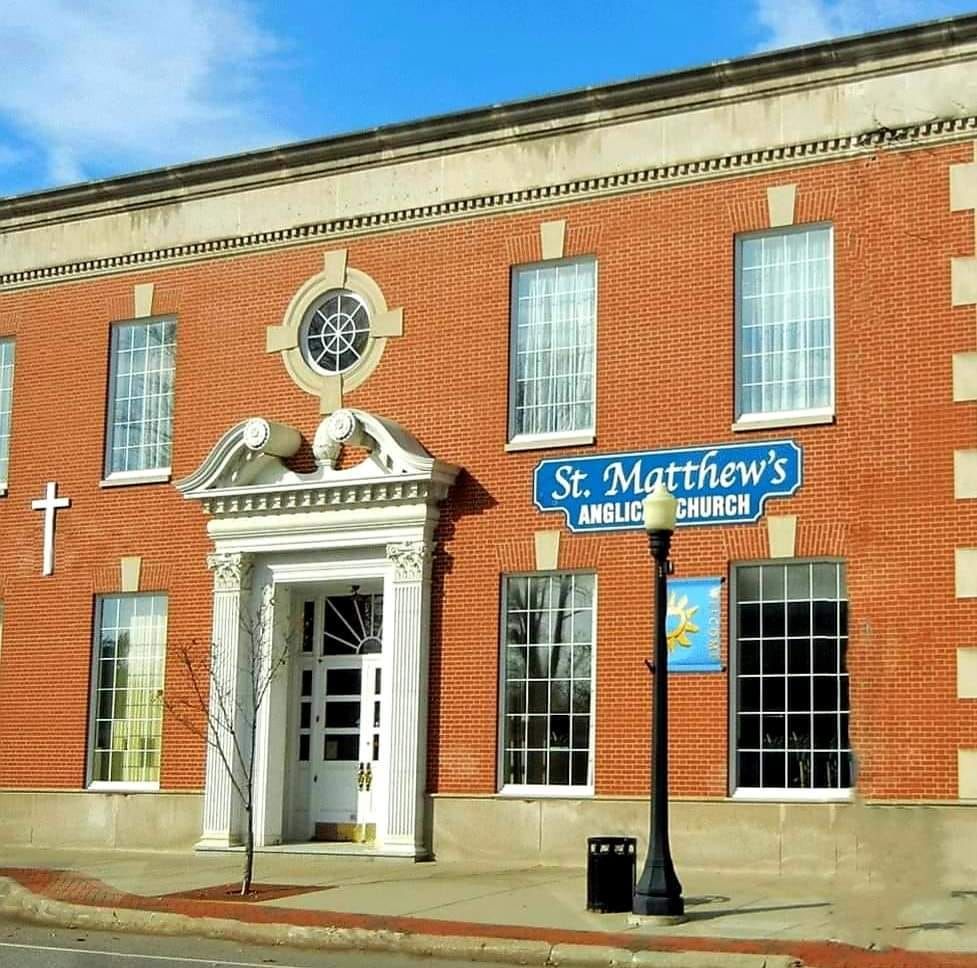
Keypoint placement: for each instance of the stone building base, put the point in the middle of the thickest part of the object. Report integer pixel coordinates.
(857, 840)
(854, 840)
(86, 819)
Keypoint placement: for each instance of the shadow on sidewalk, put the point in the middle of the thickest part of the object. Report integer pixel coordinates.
(729, 912)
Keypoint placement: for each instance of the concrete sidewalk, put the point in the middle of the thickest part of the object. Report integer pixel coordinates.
(822, 923)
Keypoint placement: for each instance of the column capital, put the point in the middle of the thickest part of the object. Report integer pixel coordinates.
(411, 560)
(232, 571)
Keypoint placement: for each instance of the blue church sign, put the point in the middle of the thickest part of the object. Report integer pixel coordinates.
(726, 484)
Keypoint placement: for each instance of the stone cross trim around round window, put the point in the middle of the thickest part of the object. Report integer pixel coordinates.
(334, 331)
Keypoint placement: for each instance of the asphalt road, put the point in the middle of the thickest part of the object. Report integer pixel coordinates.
(25, 945)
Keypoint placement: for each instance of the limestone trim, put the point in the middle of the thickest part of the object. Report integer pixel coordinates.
(963, 186)
(548, 441)
(130, 569)
(965, 474)
(142, 300)
(967, 774)
(385, 323)
(777, 156)
(547, 548)
(963, 280)
(965, 572)
(780, 205)
(746, 424)
(964, 377)
(967, 672)
(518, 555)
(552, 237)
(782, 535)
(864, 60)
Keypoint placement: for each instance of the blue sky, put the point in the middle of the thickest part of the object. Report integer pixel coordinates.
(95, 88)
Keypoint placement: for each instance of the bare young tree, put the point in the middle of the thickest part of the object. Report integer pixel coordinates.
(224, 709)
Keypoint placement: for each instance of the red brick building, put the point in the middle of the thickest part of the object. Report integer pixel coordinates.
(316, 386)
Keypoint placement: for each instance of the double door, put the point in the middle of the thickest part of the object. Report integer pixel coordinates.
(340, 714)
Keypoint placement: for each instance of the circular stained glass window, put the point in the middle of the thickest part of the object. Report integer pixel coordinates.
(335, 332)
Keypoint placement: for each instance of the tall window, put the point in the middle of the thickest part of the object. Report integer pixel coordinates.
(551, 386)
(785, 314)
(6, 405)
(791, 705)
(547, 699)
(130, 651)
(141, 397)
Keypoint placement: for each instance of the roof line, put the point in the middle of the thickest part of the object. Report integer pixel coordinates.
(831, 55)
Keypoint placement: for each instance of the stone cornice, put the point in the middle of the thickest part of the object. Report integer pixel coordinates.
(854, 58)
(924, 134)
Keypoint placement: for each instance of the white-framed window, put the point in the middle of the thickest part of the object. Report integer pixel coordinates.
(790, 703)
(335, 332)
(128, 662)
(6, 406)
(785, 324)
(552, 375)
(140, 407)
(547, 695)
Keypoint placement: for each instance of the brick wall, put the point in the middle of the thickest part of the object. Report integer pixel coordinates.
(878, 483)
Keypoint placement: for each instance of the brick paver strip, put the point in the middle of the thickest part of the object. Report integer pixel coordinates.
(61, 885)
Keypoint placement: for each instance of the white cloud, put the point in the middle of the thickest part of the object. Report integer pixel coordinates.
(108, 86)
(788, 24)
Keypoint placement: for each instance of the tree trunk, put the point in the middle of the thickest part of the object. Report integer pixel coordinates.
(248, 850)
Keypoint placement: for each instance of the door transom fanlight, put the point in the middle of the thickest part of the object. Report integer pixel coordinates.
(353, 624)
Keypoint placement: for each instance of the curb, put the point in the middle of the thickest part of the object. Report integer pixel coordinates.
(19, 902)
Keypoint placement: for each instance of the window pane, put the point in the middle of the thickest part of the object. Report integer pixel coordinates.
(548, 683)
(341, 715)
(748, 584)
(792, 693)
(143, 359)
(553, 320)
(784, 289)
(131, 637)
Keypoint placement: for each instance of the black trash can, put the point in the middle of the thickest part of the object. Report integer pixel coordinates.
(610, 873)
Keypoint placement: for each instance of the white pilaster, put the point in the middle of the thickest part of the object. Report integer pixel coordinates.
(272, 717)
(407, 665)
(222, 808)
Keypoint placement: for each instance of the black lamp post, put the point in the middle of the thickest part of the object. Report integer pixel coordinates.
(658, 892)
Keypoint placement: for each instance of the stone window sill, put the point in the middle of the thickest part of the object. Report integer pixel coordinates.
(544, 442)
(544, 793)
(101, 786)
(776, 421)
(793, 796)
(159, 475)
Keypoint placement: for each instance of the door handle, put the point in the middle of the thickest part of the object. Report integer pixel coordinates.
(369, 776)
(361, 779)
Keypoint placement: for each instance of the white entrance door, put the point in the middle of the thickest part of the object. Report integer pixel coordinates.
(347, 759)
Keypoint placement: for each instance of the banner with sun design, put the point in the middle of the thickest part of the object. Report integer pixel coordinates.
(693, 623)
